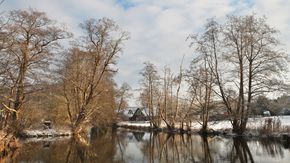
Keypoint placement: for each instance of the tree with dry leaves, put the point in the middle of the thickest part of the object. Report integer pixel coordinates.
(86, 67)
(29, 40)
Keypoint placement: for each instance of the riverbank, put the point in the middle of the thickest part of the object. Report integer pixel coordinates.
(278, 126)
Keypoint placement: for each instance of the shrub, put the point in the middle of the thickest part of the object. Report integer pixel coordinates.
(270, 125)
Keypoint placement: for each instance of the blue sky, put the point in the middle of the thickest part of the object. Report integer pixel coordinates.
(158, 28)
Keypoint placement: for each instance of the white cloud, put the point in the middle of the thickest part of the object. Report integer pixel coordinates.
(158, 28)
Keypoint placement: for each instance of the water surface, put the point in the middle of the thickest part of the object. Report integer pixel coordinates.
(124, 146)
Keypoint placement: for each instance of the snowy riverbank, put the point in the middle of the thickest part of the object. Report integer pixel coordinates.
(45, 133)
(256, 126)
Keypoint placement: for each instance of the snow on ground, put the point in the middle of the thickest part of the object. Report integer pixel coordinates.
(285, 120)
(135, 123)
(45, 139)
(253, 123)
(48, 132)
(219, 125)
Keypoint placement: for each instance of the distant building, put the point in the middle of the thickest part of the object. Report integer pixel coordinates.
(134, 114)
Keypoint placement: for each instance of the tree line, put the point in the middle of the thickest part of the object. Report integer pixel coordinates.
(234, 63)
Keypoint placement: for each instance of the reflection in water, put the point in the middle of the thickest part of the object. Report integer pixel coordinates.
(241, 151)
(272, 147)
(7, 152)
(122, 146)
(206, 150)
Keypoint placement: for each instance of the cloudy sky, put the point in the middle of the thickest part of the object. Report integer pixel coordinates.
(158, 28)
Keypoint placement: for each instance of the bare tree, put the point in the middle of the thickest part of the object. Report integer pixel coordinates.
(150, 91)
(174, 83)
(201, 81)
(166, 109)
(85, 69)
(253, 48)
(245, 62)
(29, 41)
(201, 74)
(162, 95)
(123, 93)
(178, 81)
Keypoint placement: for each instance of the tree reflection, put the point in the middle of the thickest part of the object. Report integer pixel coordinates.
(273, 147)
(7, 152)
(177, 149)
(206, 150)
(101, 148)
(185, 148)
(241, 151)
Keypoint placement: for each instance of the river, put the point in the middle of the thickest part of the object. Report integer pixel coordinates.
(120, 146)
